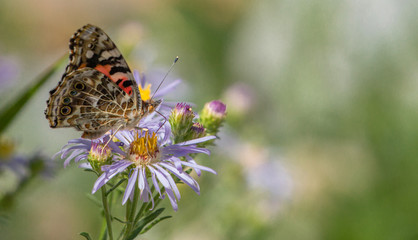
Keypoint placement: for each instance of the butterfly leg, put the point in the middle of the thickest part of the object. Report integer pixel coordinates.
(111, 137)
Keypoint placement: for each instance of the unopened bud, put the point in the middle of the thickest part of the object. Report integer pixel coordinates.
(181, 120)
(212, 116)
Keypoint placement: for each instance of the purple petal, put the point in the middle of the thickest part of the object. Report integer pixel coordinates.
(115, 148)
(190, 159)
(80, 157)
(163, 180)
(142, 179)
(137, 78)
(85, 165)
(166, 184)
(187, 179)
(80, 141)
(101, 180)
(112, 170)
(165, 108)
(203, 168)
(170, 87)
(197, 140)
(73, 154)
(154, 180)
(172, 104)
(125, 136)
(179, 151)
(67, 151)
(170, 180)
(171, 198)
(177, 163)
(146, 192)
(116, 167)
(130, 186)
(56, 155)
(167, 133)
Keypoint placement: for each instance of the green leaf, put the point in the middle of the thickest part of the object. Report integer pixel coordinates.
(143, 222)
(10, 111)
(119, 220)
(154, 223)
(90, 170)
(121, 232)
(104, 237)
(86, 235)
(103, 234)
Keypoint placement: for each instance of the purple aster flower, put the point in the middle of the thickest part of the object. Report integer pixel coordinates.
(151, 159)
(148, 85)
(153, 80)
(24, 167)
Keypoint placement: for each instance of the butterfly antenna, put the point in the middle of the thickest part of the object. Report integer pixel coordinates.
(169, 70)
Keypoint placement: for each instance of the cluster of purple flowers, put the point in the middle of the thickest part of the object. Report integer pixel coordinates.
(152, 160)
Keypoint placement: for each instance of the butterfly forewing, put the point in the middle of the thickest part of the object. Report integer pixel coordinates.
(91, 47)
(97, 92)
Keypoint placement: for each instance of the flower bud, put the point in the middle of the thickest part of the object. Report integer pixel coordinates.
(212, 116)
(99, 155)
(197, 131)
(181, 120)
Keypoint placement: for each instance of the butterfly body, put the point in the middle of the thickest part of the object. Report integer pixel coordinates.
(97, 92)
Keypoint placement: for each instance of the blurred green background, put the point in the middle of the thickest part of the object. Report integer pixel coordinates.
(321, 140)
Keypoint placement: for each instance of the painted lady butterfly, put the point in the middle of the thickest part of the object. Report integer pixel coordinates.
(97, 92)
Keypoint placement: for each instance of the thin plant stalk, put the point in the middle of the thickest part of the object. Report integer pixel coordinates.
(107, 213)
(130, 213)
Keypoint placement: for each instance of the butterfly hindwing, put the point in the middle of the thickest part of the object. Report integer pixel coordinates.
(89, 101)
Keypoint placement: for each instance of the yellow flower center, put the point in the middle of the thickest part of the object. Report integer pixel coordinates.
(144, 150)
(145, 93)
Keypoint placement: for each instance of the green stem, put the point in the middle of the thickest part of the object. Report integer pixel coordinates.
(130, 213)
(107, 213)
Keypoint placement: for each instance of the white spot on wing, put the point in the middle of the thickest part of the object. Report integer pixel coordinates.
(89, 54)
(106, 55)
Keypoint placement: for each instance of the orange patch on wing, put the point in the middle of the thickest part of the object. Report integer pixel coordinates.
(104, 69)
